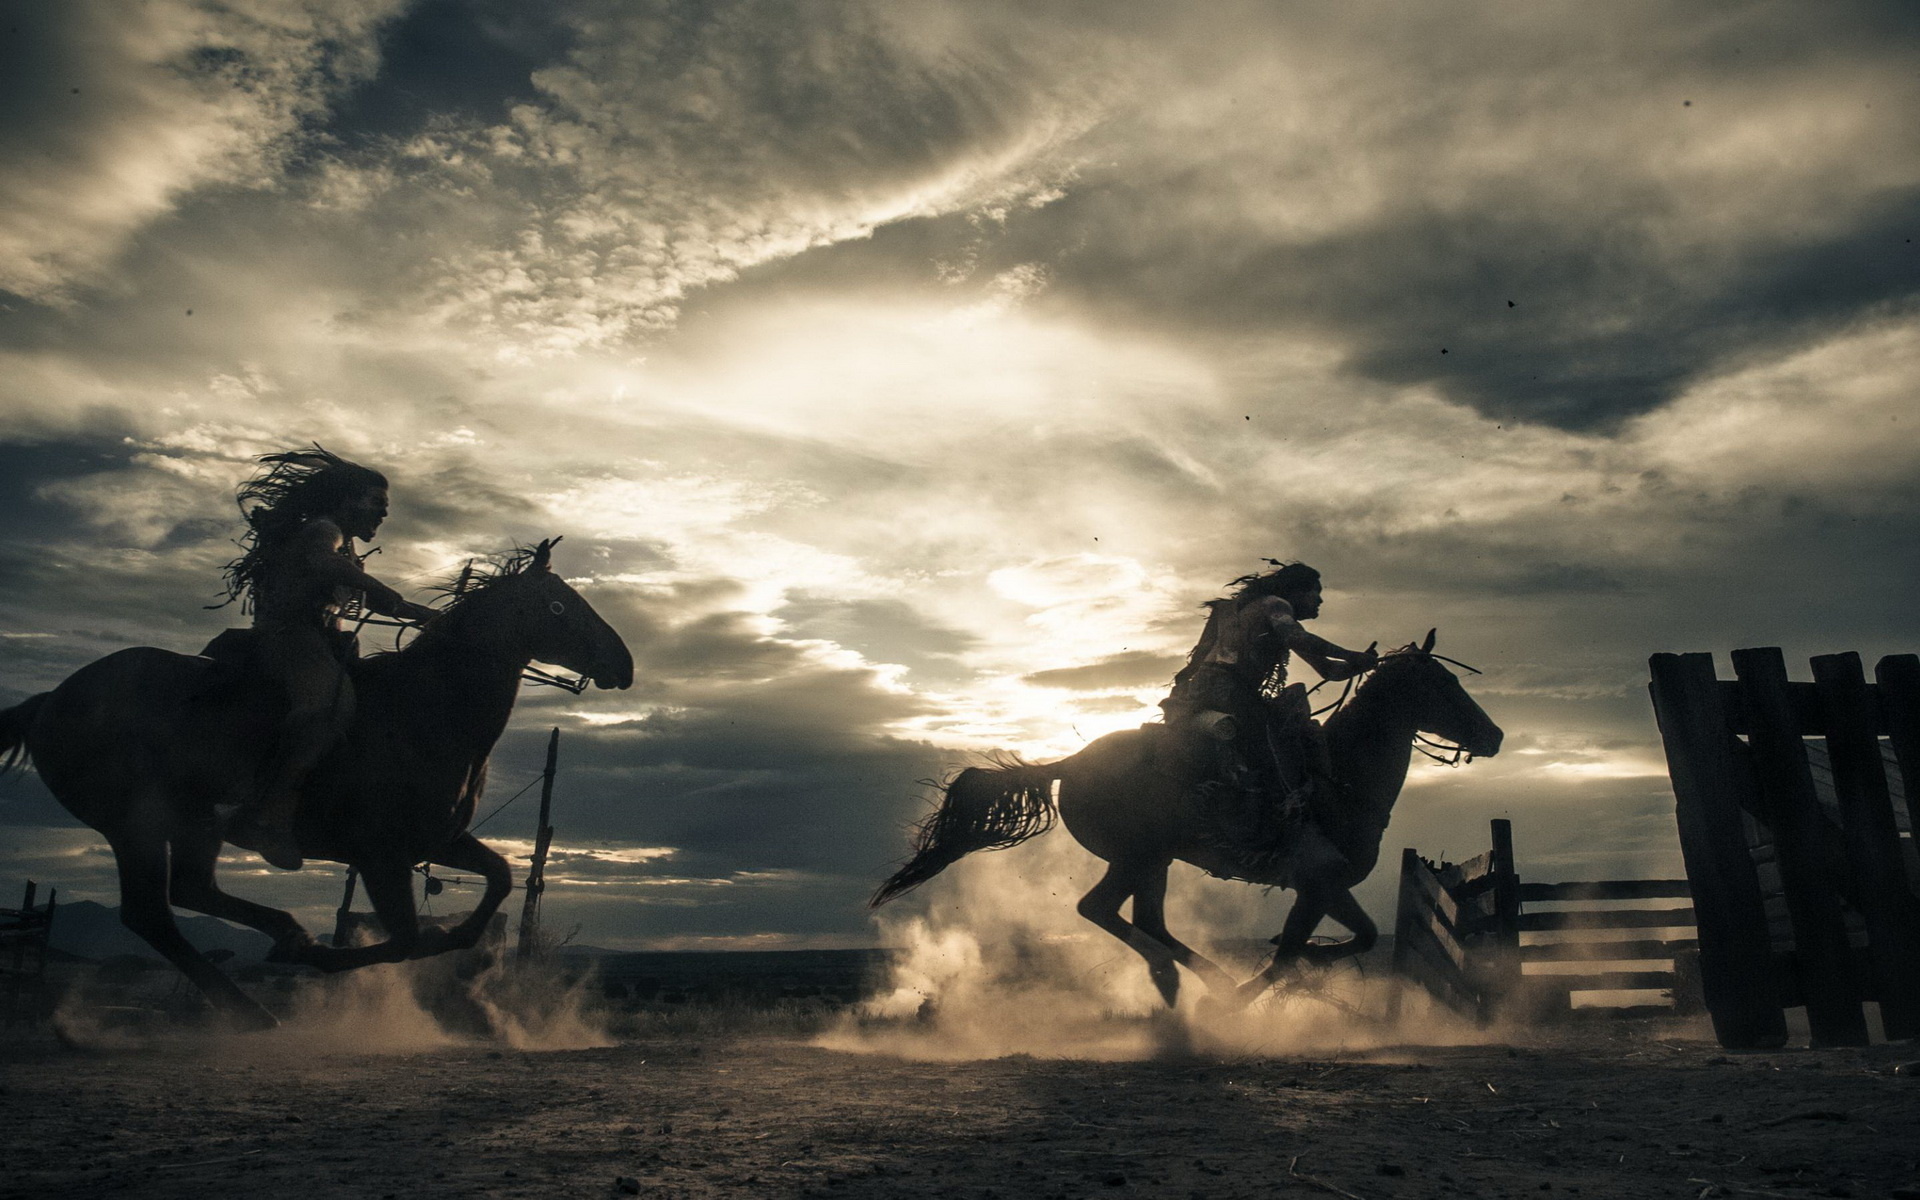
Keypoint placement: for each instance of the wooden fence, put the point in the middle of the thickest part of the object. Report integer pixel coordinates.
(23, 958)
(1487, 943)
(1803, 877)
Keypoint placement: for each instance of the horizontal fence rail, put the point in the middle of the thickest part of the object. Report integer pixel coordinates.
(1464, 932)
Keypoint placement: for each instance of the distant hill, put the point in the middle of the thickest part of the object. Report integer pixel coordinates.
(94, 931)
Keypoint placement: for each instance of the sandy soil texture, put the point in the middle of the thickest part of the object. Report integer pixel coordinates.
(1628, 1111)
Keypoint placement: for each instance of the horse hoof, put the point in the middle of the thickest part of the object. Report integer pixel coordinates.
(292, 948)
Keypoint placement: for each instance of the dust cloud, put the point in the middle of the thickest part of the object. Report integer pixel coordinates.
(993, 960)
(389, 1009)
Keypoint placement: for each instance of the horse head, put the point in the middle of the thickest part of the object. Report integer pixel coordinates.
(1439, 705)
(524, 608)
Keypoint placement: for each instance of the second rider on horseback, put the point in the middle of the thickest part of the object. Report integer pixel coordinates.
(297, 575)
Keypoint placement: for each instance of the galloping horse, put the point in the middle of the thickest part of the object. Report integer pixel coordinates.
(144, 744)
(1129, 798)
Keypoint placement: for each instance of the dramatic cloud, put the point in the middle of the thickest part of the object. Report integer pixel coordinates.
(115, 113)
(903, 377)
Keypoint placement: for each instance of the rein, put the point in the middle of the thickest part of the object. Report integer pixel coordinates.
(1445, 753)
(576, 685)
(528, 674)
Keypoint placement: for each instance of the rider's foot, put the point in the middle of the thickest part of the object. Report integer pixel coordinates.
(274, 843)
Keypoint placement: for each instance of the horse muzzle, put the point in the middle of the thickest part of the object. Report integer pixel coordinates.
(1485, 743)
(610, 676)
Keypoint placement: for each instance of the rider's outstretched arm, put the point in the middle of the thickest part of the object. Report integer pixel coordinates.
(1332, 661)
(320, 543)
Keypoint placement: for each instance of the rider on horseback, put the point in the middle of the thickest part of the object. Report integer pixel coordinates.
(297, 575)
(1234, 688)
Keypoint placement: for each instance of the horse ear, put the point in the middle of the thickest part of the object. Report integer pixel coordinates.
(1426, 647)
(543, 553)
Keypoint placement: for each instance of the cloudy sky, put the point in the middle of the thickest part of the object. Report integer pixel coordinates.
(904, 374)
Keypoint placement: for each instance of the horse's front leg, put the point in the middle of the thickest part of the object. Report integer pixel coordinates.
(390, 887)
(468, 853)
(1313, 905)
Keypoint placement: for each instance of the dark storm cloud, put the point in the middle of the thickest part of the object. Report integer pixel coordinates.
(1015, 279)
(756, 758)
(454, 498)
(757, 789)
(26, 468)
(1540, 316)
(113, 112)
(881, 630)
(444, 61)
(1132, 668)
(1431, 200)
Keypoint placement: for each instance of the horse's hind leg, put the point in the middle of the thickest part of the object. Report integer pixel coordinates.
(193, 886)
(1102, 907)
(1150, 918)
(146, 910)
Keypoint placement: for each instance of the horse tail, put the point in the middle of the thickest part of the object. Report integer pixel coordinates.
(14, 723)
(981, 808)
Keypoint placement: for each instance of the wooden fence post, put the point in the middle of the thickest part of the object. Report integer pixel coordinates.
(1872, 841)
(343, 916)
(1403, 934)
(1899, 678)
(1704, 761)
(1790, 808)
(1504, 966)
(537, 870)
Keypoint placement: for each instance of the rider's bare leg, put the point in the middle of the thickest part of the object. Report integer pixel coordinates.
(320, 700)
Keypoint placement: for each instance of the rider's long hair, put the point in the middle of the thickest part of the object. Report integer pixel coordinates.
(1289, 577)
(295, 487)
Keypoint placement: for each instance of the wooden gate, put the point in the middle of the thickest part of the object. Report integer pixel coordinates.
(1488, 943)
(24, 932)
(1803, 879)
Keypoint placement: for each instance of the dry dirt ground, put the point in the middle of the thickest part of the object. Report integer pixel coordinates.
(1635, 1110)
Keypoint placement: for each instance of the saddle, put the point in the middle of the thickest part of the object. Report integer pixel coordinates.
(1270, 827)
(231, 655)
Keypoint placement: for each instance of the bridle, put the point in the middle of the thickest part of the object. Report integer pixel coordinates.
(528, 674)
(1445, 753)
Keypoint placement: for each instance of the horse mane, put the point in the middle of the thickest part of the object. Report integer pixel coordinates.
(1356, 697)
(481, 574)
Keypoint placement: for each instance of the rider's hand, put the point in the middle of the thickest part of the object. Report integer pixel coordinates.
(1366, 660)
(418, 613)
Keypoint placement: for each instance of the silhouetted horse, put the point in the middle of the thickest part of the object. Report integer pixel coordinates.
(143, 744)
(1130, 798)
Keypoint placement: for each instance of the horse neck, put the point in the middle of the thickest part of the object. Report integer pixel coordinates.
(1371, 743)
(464, 677)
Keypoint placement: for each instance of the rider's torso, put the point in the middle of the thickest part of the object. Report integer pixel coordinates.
(1246, 642)
(288, 592)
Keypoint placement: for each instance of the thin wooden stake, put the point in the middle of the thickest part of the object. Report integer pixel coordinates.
(543, 840)
(343, 916)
